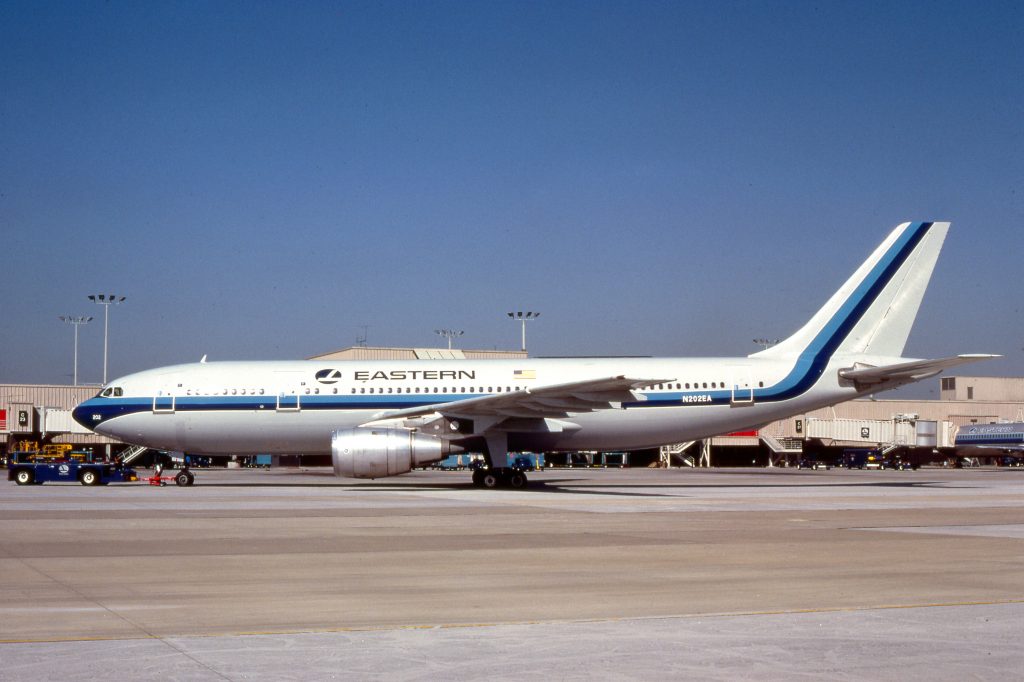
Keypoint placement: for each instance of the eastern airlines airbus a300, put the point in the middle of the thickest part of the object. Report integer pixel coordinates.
(381, 419)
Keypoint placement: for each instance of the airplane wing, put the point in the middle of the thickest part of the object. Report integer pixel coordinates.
(557, 400)
(913, 370)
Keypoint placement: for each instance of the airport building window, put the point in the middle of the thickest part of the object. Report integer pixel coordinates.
(970, 392)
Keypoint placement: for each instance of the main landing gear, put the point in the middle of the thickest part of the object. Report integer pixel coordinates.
(493, 478)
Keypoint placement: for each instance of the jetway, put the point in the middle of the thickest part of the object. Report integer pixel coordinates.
(904, 430)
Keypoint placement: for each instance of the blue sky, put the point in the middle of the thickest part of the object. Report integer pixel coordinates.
(261, 180)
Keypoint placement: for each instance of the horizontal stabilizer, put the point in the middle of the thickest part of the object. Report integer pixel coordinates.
(907, 371)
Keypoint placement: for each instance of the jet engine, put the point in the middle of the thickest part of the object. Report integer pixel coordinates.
(376, 453)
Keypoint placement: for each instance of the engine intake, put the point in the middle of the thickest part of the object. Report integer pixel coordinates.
(376, 453)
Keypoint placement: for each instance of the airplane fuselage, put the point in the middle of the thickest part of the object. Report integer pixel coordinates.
(293, 407)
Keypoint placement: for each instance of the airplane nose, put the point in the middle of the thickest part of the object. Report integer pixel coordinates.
(83, 415)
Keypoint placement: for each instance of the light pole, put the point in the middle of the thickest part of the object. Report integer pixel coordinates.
(524, 318)
(106, 300)
(767, 343)
(449, 334)
(77, 321)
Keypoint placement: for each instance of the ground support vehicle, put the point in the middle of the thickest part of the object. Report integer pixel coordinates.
(86, 473)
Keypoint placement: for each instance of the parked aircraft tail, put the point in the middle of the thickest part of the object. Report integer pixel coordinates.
(873, 312)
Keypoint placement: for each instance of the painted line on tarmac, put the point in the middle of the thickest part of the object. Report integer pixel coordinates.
(456, 626)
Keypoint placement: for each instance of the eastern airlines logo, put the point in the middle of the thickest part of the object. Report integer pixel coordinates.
(328, 376)
(333, 376)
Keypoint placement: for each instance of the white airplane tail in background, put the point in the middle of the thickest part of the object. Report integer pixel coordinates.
(873, 312)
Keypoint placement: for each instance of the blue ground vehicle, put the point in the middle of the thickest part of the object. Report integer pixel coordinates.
(24, 471)
(862, 458)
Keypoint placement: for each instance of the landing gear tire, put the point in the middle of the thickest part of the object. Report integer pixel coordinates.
(90, 478)
(184, 478)
(490, 479)
(23, 477)
(517, 479)
(478, 477)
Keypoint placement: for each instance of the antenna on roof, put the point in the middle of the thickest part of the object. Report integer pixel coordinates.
(361, 340)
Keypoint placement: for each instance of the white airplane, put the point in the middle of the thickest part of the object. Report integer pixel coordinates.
(381, 419)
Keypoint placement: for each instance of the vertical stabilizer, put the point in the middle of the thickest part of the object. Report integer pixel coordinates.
(874, 310)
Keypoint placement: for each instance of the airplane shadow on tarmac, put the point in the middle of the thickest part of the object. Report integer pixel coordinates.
(575, 486)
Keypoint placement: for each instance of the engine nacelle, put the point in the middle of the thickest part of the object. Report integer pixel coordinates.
(376, 453)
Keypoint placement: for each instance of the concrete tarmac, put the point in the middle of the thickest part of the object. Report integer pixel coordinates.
(635, 574)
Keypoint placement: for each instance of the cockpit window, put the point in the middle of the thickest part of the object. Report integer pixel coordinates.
(111, 391)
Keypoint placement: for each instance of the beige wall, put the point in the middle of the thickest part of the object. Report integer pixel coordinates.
(1003, 389)
(379, 353)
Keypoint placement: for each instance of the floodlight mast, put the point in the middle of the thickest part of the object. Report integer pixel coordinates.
(77, 321)
(522, 317)
(767, 343)
(449, 334)
(106, 300)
